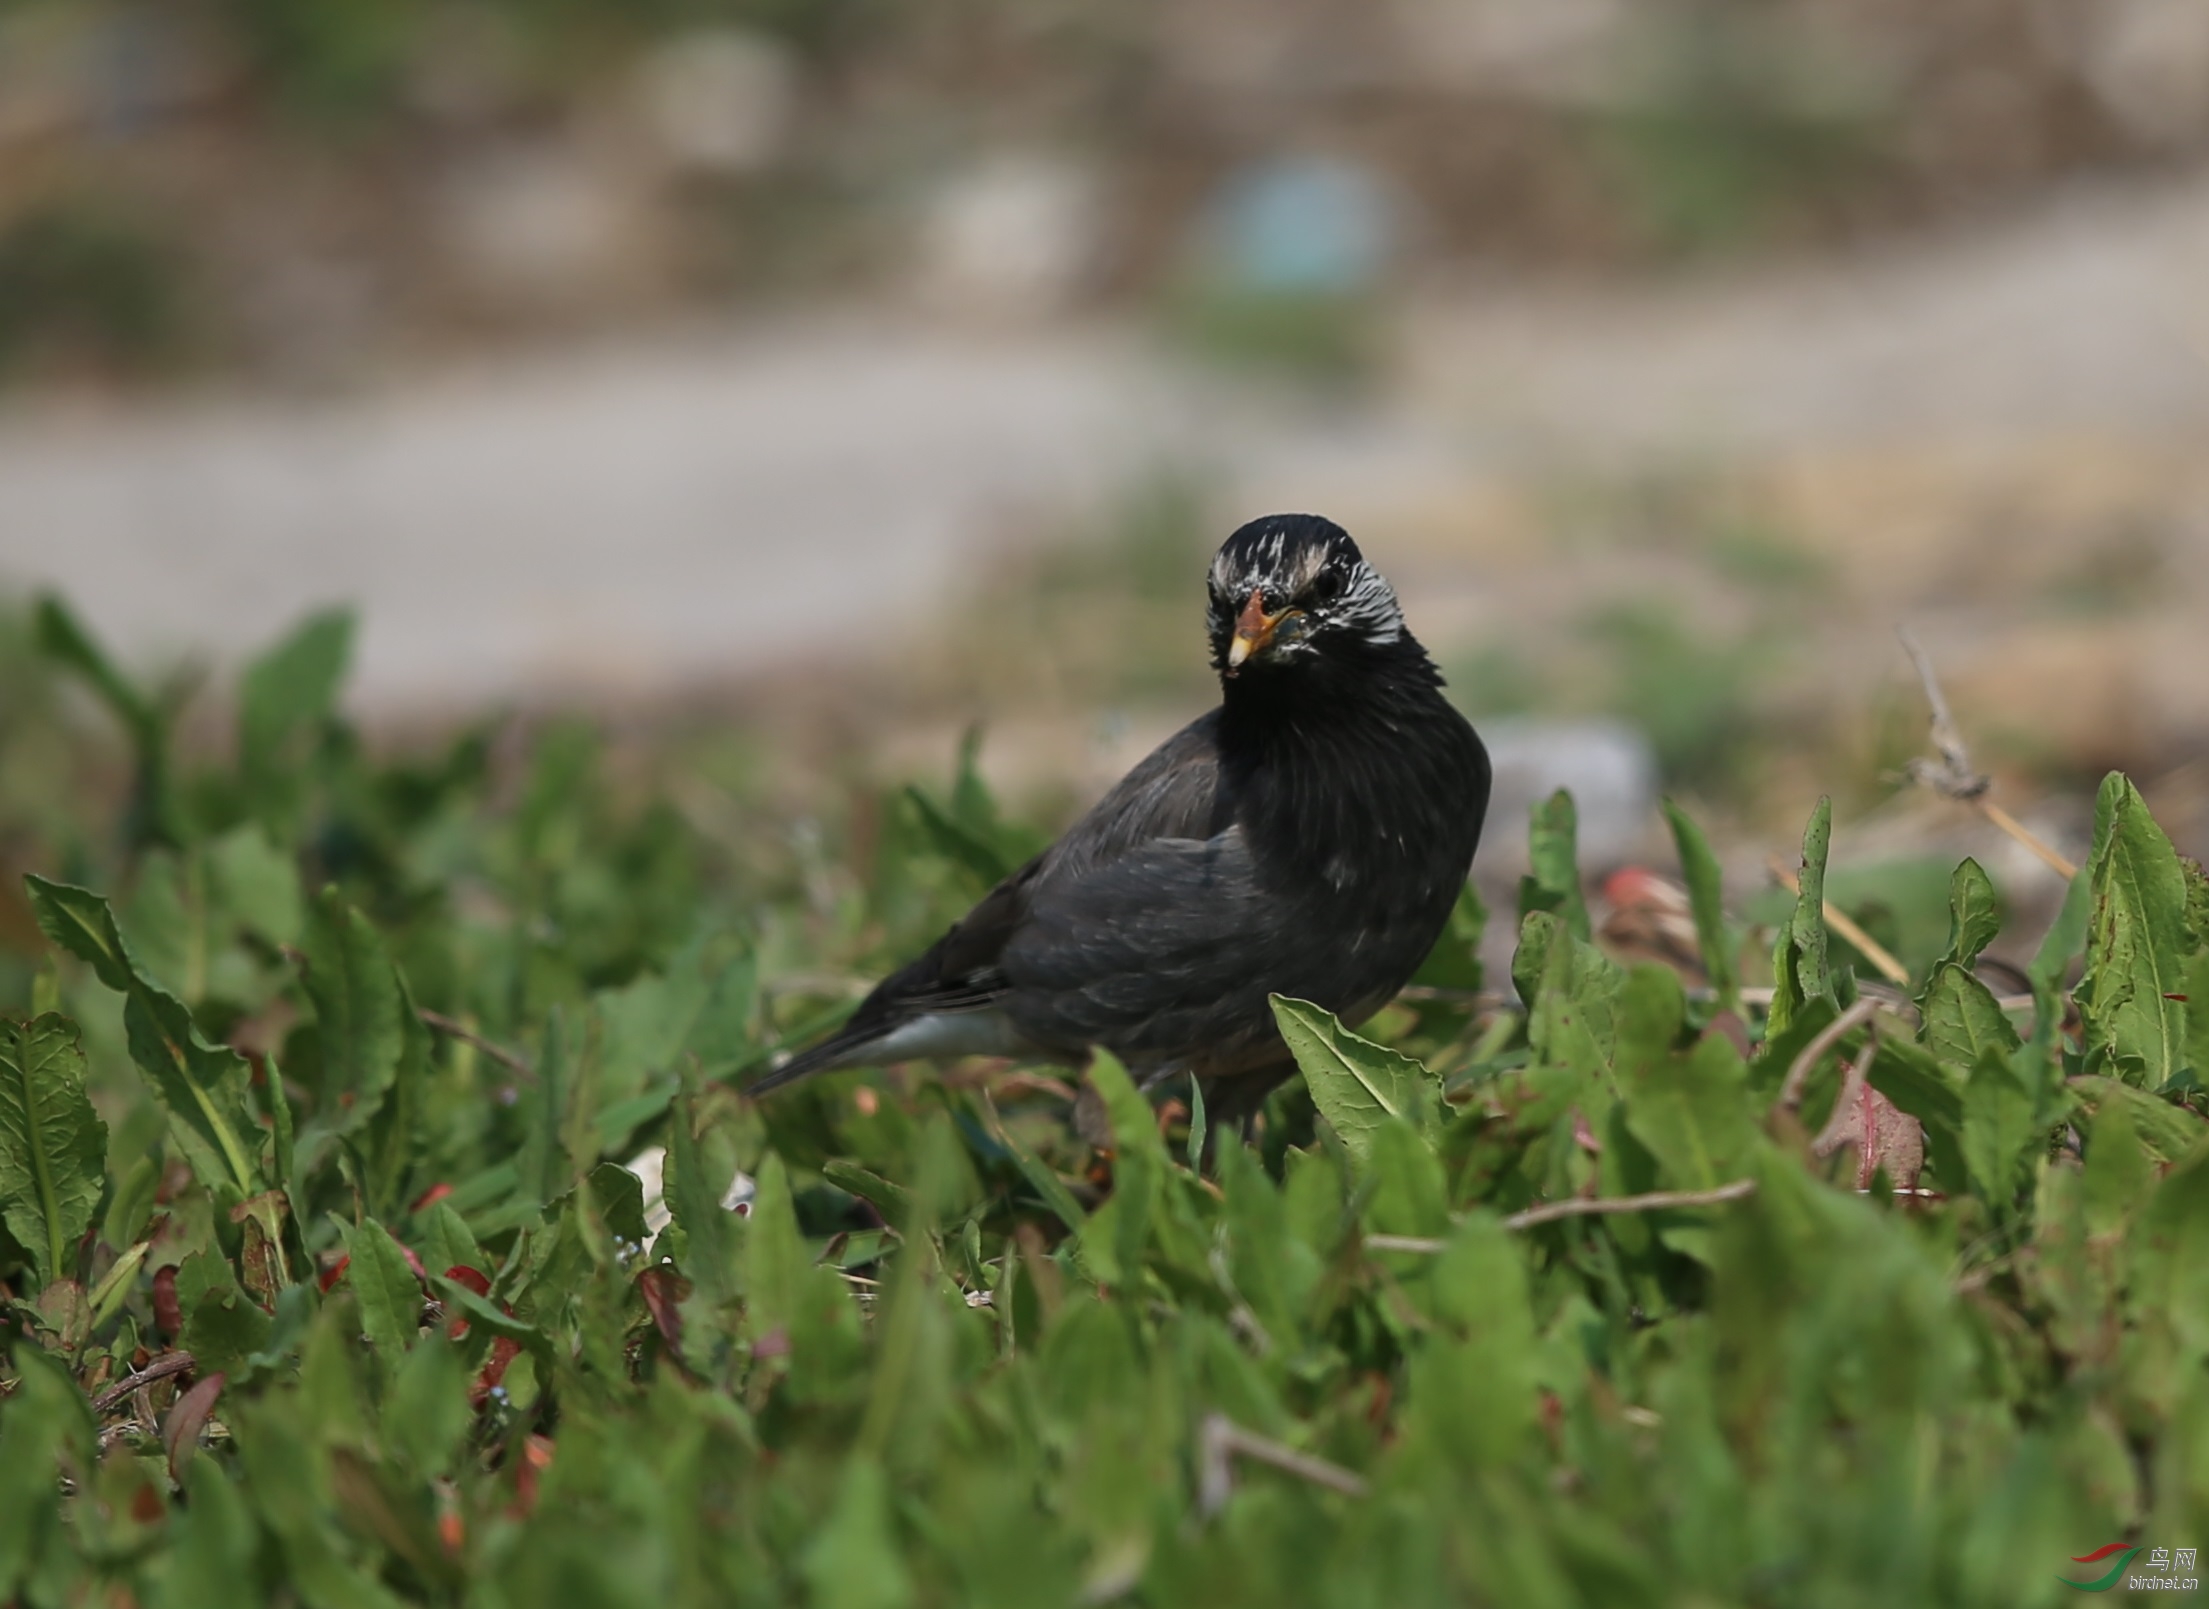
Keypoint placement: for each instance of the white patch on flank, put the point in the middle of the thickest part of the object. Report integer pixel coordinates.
(944, 1034)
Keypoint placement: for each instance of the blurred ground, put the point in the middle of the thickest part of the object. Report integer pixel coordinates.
(839, 376)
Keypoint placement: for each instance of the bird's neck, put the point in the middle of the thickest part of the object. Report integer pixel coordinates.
(1323, 757)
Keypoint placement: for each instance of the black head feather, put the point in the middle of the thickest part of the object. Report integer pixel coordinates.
(1307, 569)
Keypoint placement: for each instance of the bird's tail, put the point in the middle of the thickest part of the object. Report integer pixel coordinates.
(834, 1051)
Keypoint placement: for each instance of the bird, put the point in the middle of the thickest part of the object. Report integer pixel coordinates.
(1307, 837)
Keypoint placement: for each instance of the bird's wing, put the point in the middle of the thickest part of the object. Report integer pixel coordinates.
(1149, 952)
(1171, 793)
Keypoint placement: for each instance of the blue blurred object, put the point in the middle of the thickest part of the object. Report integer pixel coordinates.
(1303, 224)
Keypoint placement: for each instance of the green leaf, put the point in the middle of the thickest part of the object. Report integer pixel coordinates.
(2132, 999)
(53, 1146)
(1476, 1384)
(2171, 1253)
(63, 639)
(694, 1202)
(201, 1086)
(2166, 1131)
(1699, 867)
(854, 1560)
(257, 884)
(1356, 1084)
(80, 922)
(389, 1295)
(359, 1013)
(893, 1200)
(1118, 1233)
(223, 1329)
(1689, 1107)
(1454, 962)
(1963, 1023)
(44, 1423)
(1553, 883)
(1799, 970)
(1999, 1133)
(426, 1416)
(1974, 914)
(291, 688)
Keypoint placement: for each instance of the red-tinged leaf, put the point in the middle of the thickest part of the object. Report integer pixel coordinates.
(473, 1279)
(504, 1350)
(168, 1317)
(332, 1274)
(431, 1197)
(187, 1418)
(664, 1291)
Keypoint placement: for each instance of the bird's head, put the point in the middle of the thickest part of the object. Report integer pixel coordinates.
(1293, 587)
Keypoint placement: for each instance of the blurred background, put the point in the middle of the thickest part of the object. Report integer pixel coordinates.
(790, 385)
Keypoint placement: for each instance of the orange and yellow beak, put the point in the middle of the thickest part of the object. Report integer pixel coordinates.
(1254, 629)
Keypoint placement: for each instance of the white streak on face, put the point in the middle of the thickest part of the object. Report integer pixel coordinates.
(1366, 604)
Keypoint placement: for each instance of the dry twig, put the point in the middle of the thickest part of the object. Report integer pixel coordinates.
(159, 1368)
(1222, 1440)
(452, 1028)
(1798, 1073)
(1589, 1207)
(1953, 776)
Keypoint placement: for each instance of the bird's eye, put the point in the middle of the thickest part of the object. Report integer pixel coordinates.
(1326, 586)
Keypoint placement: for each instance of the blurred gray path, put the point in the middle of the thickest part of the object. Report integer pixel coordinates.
(636, 518)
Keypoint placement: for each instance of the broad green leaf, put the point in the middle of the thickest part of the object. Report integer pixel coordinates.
(1356, 1084)
(1553, 883)
(2000, 1134)
(1572, 991)
(1974, 914)
(426, 1415)
(1699, 867)
(43, 1424)
(794, 1309)
(1476, 1383)
(1689, 1107)
(202, 1086)
(2132, 999)
(359, 1013)
(292, 687)
(1117, 1234)
(80, 922)
(257, 884)
(384, 1285)
(2166, 1131)
(1962, 1020)
(694, 1202)
(223, 1329)
(53, 1146)
(854, 1561)
(1799, 971)
(153, 815)
(2171, 1252)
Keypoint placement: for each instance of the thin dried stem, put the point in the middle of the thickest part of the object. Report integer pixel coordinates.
(452, 1028)
(159, 1368)
(1579, 1207)
(1845, 925)
(1798, 1073)
(1954, 777)
(1221, 1441)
